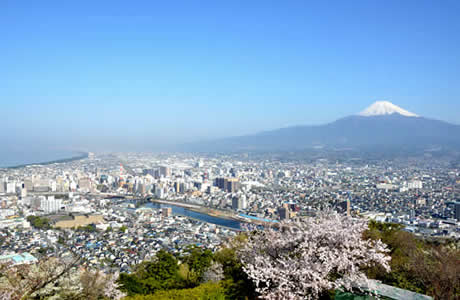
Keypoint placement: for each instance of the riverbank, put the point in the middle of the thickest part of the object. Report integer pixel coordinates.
(80, 155)
(197, 212)
(218, 214)
(201, 209)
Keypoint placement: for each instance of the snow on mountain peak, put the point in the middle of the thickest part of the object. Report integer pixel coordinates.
(385, 108)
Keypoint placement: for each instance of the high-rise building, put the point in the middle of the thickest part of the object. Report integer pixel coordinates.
(53, 186)
(284, 213)
(165, 171)
(28, 185)
(23, 193)
(244, 203)
(41, 185)
(220, 182)
(457, 211)
(179, 187)
(11, 187)
(229, 185)
(166, 211)
(232, 185)
(84, 184)
(239, 202)
(35, 202)
(50, 205)
(160, 192)
(141, 188)
(235, 203)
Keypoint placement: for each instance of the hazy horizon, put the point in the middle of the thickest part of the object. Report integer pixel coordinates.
(115, 76)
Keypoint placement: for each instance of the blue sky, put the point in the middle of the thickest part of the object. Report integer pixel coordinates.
(110, 73)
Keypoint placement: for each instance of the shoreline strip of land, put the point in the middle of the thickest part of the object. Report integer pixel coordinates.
(80, 155)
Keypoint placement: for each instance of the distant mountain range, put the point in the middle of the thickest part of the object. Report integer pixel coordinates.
(381, 125)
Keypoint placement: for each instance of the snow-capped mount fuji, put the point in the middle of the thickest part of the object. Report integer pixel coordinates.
(380, 108)
(382, 126)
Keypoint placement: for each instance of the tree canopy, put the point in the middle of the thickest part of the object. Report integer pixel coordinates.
(309, 257)
(39, 222)
(418, 265)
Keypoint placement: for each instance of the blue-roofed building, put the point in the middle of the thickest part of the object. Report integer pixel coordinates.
(257, 218)
(18, 259)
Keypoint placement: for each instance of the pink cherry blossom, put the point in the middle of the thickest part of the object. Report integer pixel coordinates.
(309, 256)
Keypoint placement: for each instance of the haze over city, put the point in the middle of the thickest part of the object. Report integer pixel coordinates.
(221, 150)
(113, 75)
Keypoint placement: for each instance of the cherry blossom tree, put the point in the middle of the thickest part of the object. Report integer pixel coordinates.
(94, 284)
(23, 281)
(214, 273)
(310, 256)
(53, 277)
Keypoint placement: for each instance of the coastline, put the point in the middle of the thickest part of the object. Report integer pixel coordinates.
(78, 156)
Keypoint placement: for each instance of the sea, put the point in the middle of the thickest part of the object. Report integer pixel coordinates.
(23, 157)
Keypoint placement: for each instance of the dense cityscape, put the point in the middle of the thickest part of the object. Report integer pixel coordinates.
(117, 210)
(230, 150)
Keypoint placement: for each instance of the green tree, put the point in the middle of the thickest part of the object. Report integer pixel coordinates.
(236, 283)
(39, 223)
(162, 273)
(206, 291)
(87, 228)
(168, 279)
(131, 284)
(416, 264)
(197, 260)
(61, 240)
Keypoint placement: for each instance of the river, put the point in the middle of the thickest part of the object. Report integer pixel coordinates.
(182, 211)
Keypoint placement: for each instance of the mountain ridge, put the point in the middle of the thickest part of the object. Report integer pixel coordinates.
(387, 128)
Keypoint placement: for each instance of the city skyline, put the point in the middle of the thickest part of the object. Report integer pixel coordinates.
(230, 150)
